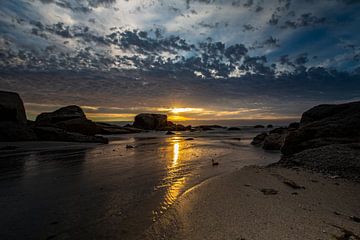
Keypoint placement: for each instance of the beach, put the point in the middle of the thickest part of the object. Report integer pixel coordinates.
(258, 203)
(58, 190)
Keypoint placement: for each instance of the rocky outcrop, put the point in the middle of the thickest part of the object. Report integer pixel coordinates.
(325, 125)
(294, 125)
(13, 122)
(159, 122)
(233, 129)
(150, 121)
(259, 126)
(70, 118)
(108, 129)
(12, 108)
(273, 140)
(58, 134)
(342, 160)
(259, 139)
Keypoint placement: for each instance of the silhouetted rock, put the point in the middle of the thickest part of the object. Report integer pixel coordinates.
(13, 122)
(234, 129)
(259, 126)
(70, 118)
(270, 126)
(108, 129)
(325, 125)
(12, 108)
(274, 141)
(10, 131)
(341, 160)
(150, 121)
(294, 125)
(169, 133)
(207, 127)
(57, 134)
(174, 127)
(259, 139)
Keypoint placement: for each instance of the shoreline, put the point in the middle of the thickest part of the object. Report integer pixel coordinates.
(264, 203)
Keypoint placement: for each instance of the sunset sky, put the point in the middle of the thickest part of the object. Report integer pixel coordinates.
(190, 59)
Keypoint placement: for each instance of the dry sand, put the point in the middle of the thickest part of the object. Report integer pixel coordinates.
(233, 206)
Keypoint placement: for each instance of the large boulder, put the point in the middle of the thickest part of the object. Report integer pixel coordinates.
(273, 140)
(70, 118)
(12, 108)
(150, 121)
(325, 125)
(341, 160)
(259, 139)
(13, 123)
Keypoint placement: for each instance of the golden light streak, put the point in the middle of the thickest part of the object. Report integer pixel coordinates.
(176, 153)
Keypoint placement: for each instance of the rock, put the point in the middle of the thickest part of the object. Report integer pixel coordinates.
(149, 121)
(170, 133)
(259, 139)
(189, 139)
(325, 125)
(12, 108)
(62, 114)
(270, 126)
(274, 141)
(174, 127)
(292, 184)
(16, 132)
(336, 159)
(269, 191)
(13, 122)
(294, 126)
(57, 134)
(70, 118)
(108, 129)
(259, 126)
(280, 130)
(234, 129)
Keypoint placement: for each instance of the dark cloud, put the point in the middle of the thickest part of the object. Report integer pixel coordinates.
(305, 20)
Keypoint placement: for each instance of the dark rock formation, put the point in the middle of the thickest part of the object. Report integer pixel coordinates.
(259, 139)
(270, 126)
(341, 160)
(294, 125)
(207, 127)
(159, 122)
(170, 133)
(10, 131)
(174, 127)
(13, 122)
(108, 129)
(70, 118)
(234, 129)
(58, 134)
(12, 108)
(149, 121)
(259, 126)
(325, 125)
(273, 140)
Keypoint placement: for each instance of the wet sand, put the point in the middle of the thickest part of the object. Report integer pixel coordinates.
(264, 203)
(93, 191)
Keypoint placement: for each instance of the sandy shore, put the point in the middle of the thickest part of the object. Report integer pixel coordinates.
(259, 203)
